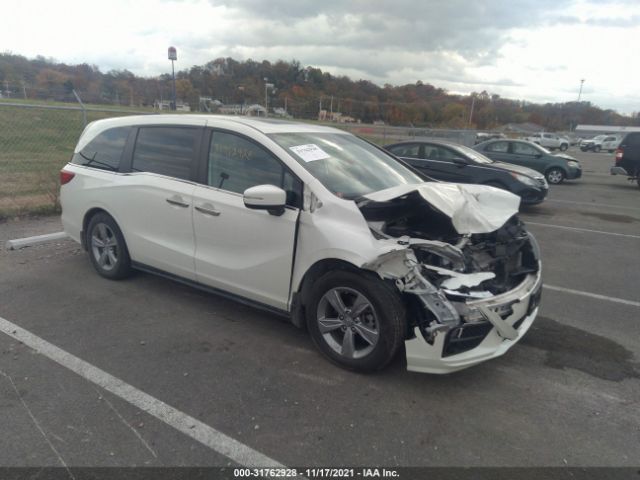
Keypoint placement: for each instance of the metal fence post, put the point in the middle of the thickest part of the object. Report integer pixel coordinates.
(84, 111)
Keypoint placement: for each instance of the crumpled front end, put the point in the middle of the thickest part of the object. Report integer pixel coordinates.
(470, 296)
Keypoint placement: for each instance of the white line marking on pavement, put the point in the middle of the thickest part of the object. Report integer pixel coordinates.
(592, 204)
(203, 433)
(127, 424)
(38, 239)
(592, 295)
(37, 424)
(576, 229)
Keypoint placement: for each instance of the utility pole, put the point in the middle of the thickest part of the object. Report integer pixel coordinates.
(580, 92)
(173, 55)
(267, 86)
(473, 103)
(331, 106)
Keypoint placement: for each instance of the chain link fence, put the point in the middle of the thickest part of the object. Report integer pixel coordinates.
(37, 140)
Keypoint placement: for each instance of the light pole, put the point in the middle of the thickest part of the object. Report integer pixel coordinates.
(173, 55)
(267, 86)
(241, 89)
(580, 92)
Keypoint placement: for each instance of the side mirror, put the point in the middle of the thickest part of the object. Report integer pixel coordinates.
(460, 162)
(265, 197)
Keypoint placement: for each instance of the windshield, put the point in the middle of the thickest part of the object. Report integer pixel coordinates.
(472, 154)
(345, 164)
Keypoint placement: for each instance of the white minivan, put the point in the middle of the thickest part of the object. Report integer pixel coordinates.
(312, 223)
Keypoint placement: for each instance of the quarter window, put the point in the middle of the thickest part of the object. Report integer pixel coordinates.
(104, 151)
(166, 150)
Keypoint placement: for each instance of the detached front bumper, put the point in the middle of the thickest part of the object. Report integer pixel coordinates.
(507, 318)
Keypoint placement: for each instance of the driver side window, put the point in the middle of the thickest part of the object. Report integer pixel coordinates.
(236, 163)
(523, 149)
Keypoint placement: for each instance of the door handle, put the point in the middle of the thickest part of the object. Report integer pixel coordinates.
(208, 210)
(177, 201)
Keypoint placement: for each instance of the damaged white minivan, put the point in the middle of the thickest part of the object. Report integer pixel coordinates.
(313, 223)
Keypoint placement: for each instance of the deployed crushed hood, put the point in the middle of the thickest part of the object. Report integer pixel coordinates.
(472, 208)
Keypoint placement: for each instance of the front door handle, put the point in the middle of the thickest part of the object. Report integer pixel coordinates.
(177, 201)
(208, 209)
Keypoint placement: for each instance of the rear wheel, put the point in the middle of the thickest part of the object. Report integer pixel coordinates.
(356, 320)
(555, 175)
(107, 248)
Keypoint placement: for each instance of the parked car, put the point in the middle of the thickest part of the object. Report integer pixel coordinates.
(311, 223)
(555, 167)
(456, 163)
(627, 159)
(601, 142)
(550, 141)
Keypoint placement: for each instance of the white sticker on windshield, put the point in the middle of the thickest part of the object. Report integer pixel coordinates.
(310, 152)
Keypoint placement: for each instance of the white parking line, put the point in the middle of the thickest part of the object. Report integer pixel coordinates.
(583, 230)
(592, 295)
(199, 431)
(592, 204)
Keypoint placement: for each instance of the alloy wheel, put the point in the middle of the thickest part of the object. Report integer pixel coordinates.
(348, 322)
(104, 246)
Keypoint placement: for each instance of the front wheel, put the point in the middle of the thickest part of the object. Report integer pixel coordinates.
(107, 248)
(564, 147)
(597, 148)
(555, 176)
(356, 320)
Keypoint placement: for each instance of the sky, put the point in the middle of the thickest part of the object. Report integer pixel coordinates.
(534, 50)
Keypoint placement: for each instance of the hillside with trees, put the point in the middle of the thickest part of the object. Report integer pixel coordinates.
(303, 91)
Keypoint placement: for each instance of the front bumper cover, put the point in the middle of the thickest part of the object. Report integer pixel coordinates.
(521, 303)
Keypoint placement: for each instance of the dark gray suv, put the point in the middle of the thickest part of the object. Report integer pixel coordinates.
(628, 157)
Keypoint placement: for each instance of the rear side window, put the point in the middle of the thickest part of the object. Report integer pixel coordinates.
(167, 151)
(104, 151)
(632, 140)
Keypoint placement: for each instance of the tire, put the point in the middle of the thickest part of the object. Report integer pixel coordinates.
(564, 147)
(107, 249)
(366, 342)
(597, 148)
(584, 149)
(555, 176)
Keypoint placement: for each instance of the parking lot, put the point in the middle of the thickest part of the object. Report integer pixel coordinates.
(568, 394)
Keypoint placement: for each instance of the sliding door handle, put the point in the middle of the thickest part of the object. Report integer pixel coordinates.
(177, 201)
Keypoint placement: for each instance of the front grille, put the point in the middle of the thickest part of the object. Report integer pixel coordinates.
(465, 337)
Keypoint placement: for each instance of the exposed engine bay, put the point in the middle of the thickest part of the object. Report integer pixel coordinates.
(449, 278)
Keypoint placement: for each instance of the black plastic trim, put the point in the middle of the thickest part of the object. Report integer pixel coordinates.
(208, 289)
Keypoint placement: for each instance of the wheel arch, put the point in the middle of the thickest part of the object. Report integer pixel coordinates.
(92, 212)
(314, 272)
